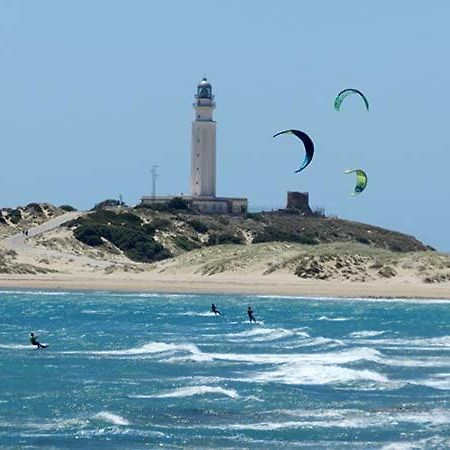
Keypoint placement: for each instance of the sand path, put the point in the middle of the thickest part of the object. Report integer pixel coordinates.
(19, 243)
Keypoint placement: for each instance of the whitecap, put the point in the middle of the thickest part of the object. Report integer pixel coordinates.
(316, 374)
(200, 314)
(334, 319)
(339, 357)
(364, 334)
(109, 417)
(435, 343)
(152, 349)
(439, 381)
(17, 347)
(261, 334)
(190, 391)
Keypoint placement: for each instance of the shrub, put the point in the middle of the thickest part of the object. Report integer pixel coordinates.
(185, 244)
(134, 242)
(108, 202)
(161, 224)
(15, 216)
(198, 226)
(272, 234)
(178, 203)
(90, 235)
(67, 208)
(218, 238)
(255, 216)
(34, 206)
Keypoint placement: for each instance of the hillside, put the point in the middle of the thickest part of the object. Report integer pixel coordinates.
(141, 244)
(147, 235)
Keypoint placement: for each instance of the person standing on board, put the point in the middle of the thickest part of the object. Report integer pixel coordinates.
(251, 317)
(215, 310)
(34, 341)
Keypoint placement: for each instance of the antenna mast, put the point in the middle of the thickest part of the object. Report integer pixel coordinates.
(155, 175)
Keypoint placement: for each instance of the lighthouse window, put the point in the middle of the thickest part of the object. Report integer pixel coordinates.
(198, 155)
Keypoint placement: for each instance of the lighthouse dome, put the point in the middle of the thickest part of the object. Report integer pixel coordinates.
(204, 89)
(204, 83)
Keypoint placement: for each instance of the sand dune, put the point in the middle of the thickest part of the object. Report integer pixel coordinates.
(50, 257)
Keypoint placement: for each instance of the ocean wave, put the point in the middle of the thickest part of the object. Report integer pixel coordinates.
(17, 347)
(326, 358)
(364, 334)
(435, 343)
(350, 419)
(201, 314)
(47, 293)
(317, 374)
(261, 334)
(109, 417)
(334, 319)
(152, 349)
(190, 391)
(439, 381)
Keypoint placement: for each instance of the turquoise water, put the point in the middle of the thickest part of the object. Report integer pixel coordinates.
(135, 371)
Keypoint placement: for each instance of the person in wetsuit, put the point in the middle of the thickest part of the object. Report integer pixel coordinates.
(34, 341)
(251, 317)
(215, 310)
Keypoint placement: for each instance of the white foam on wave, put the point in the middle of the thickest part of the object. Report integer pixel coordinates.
(364, 334)
(109, 417)
(339, 357)
(426, 361)
(17, 347)
(435, 343)
(425, 301)
(190, 391)
(334, 319)
(47, 293)
(145, 295)
(315, 374)
(261, 334)
(439, 381)
(153, 349)
(400, 446)
(350, 419)
(201, 314)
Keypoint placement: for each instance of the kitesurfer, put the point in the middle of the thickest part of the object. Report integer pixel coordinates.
(35, 342)
(251, 317)
(215, 310)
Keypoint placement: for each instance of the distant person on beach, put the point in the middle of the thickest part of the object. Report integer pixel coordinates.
(215, 310)
(251, 317)
(35, 342)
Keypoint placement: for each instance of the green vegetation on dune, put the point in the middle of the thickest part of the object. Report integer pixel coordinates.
(148, 235)
(126, 231)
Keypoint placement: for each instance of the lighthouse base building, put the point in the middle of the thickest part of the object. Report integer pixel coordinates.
(203, 162)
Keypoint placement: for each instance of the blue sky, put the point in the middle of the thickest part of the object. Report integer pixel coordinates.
(93, 93)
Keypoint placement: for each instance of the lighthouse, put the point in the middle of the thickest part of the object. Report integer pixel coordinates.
(203, 163)
(203, 143)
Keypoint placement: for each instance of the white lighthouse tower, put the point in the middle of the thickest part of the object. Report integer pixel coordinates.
(203, 146)
(203, 163)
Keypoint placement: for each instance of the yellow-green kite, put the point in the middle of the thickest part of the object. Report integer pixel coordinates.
(361, 180)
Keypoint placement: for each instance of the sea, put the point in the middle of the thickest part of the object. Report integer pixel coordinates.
(152, 371)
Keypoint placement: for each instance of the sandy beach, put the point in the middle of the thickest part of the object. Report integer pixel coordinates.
(245, 284)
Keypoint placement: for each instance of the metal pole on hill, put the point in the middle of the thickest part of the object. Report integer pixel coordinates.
(155, 175)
